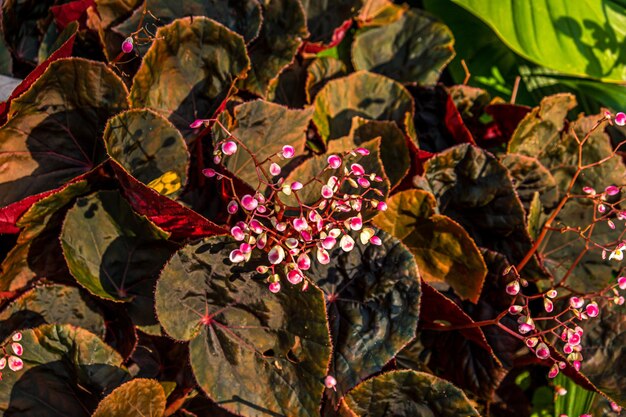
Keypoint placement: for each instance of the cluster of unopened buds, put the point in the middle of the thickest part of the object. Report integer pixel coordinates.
(293, 236)
(563, 326)
(11, 358)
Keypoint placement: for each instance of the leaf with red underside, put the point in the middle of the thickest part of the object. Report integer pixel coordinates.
(455, 125)
(66, 13)
(180, 221)
(336, 38)
(506, 117)
(64, 51)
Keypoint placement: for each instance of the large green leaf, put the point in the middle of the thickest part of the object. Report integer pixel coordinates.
(443, 250)
(582, 38)
(283, 29)
(51, 304)
(114, 253)
(364, 94)
(324, 16)
(474, 189)
(189, 70)
(139, 397)
(54, 129)
(150, 148)
(373, 300)
(251, 351)
(264, 128)
(241, 16)
(37, 253)
(66, 372)
(409, 393)
(413, 49)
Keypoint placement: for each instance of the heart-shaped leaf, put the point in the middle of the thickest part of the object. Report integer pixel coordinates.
(66, 372)
(442, 248)
(251, 351)
(323, 17)
(530, 177)
(364, 94)
(111, 11)
(150, 148)
(413, 49)
(54, 129)
(114, 253)
(283, 29)
(139, 397)
(51, 304)
(320, 71)
(409, 393)
(264, 128)
(373, 299)
(189, 70)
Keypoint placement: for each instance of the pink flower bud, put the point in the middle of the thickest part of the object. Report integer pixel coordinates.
(237, 256)
(17, 348)
(554, 371)
(362, 151)
(288, 152)
(306, 236)
(611, 190)
(542, 351)
(382, 206)
(356, 223)
(237, 233)
(589, 190)
(232, 207)
(512, 288)
(295, 186)
(327, 192)
(610, 224)
(249, 203)
(576, 302)
(262, 269)
(576, 365)
(620, 119)
(525, 328)
(552, 294)
(274, 169)
(376, 241)
(363, 182)
(531, 342)
(261, 241)
(17, 336)
(601, 208)
(294, 276)
(291, 242)
(197, 123)
(229, 147)
(567, 349)
(334, 161)
(547, 304)
(245, 248)
(357, 169)
(592, 309)
(209, 172)
(274, 287)
(15, 363)
(330, 382)
(515, 309)
(621, 282)
(304, 262)
(276, 255)
(322, 256)
(574, 338)
(127, 45)
(3, 362)
(346, 243)
(300, 224)
(329, 242)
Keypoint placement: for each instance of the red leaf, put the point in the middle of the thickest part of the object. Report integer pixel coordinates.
(64, 51)
(506, 117)
(66, 13)
(455, 124)
(338, 35)
(181, 222)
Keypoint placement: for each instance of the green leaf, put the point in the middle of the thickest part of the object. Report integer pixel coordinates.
(114, 253)
(189, 70)
(150, 148)
(474, 189)
(324, 16)
(264, 128)
(363, 94)
(413, 49)
(37, 253)
(581, 38)
(51, 304)
(373, 300)
(443, 250)
(66, 372)
(55, 128)
(409, 393)
(243, 16)
(320, 71)
(281, 35)
(257, 351)
(139, 397)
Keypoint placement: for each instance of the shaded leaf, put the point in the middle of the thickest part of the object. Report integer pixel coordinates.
(149, 148)
(6, 61)
(281, 35)
(320, 71)
(111, 11)
(114, 253)
(363, 94)
(257, 351)
(23, 23)
(143, 397)
(409, 393)
(288, 88)
(443, 250)
(373, 299)
(530, 177)
(54, 129)
(189, 70)
(264, 128)
(380, 12)
(50, 305)
(325, 16)
(413, 49)
(66, 372)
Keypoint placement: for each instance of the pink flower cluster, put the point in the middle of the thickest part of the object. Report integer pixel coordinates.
(13, 359)
(293, 236)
